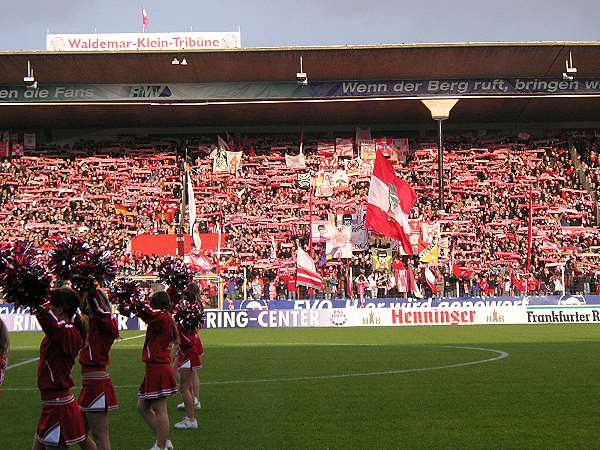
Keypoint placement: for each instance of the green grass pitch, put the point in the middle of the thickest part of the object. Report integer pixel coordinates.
(356, 388)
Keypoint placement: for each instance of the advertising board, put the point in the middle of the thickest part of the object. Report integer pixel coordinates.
(466, 302)
(18, 319)
(567, 314)
(319, 318)
(142, 41)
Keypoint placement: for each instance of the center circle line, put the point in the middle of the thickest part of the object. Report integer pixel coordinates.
(500, 354)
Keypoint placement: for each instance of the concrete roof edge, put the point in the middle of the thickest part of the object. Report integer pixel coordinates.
(399, 46)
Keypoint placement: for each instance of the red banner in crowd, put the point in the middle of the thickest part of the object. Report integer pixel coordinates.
(166, 244)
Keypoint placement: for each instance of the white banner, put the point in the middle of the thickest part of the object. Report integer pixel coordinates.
(406, 317)
(143, 41)
(569, 314)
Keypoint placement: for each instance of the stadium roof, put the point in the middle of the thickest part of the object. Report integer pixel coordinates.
(382, 62)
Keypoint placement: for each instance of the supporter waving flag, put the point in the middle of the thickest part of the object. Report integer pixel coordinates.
(306, 272)
(389, 204)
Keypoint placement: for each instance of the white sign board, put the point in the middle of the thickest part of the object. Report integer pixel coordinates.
(142, 41)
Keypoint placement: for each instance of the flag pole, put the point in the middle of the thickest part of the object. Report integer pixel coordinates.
(218, 265)
(144, 19)
(310, 221)
(440, 165)
(218, 241)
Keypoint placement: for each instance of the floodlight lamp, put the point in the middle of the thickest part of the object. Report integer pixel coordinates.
(440, 108)
(175, 61)
(301, 77)
(184, 62)
(29, 79)
(569, 64)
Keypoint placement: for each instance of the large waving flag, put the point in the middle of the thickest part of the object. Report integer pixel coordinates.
(390, 202)
(306, 272)
(193, 230)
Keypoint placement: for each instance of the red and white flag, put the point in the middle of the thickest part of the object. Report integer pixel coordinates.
(145, 19)
(306, 272)
(430, 278)
(198, 262)
(413, 288)
(389, 204)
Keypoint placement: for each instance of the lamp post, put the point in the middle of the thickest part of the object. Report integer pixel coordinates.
(440, 163)
(440, 111)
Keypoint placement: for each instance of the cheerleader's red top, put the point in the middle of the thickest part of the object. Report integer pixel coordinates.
(160, 335)
(58, 351)
(103, 330)
(189, 342)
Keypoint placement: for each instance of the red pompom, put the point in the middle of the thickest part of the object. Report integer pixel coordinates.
(97, 266)
(66, 255)
(175, 274)
(24, 281)
(190, 315)
(126, 294)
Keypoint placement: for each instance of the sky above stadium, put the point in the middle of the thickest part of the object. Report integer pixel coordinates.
(275, 23)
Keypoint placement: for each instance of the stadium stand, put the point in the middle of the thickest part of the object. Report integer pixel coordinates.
(109, 192)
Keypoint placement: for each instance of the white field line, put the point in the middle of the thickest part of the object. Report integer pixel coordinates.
(29, 361)
(291, 344)
(130, 338)
(499, 355)
(22, 363)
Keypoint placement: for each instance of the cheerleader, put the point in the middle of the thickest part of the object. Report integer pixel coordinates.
(159, 382)
(97, 395)
(4, 347)
(61, 423)
(189, 359)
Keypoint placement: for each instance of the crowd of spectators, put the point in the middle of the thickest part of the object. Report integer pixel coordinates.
(90, 191)
(491, 187)
(108, 192)
(484, 230)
